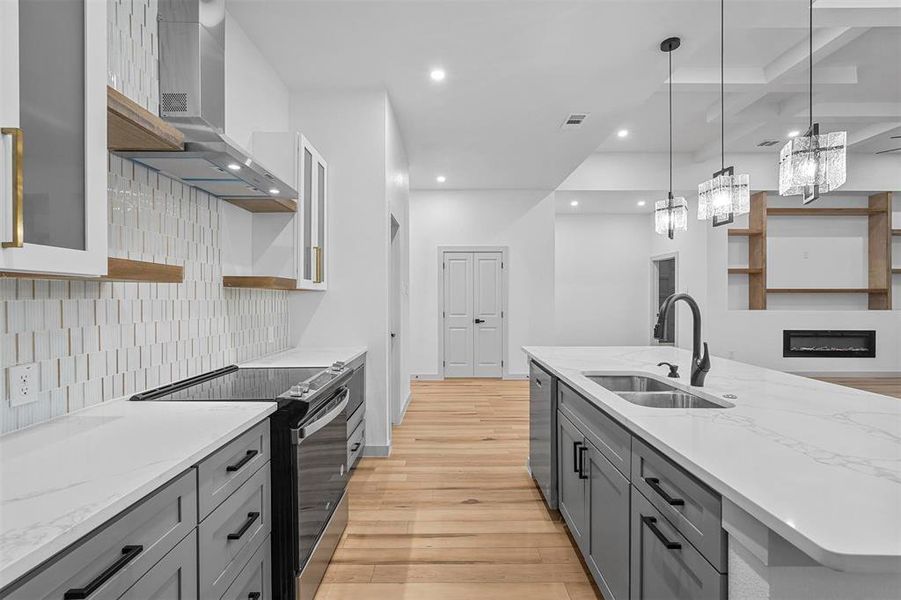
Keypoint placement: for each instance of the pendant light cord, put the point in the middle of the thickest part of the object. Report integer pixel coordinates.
(722, 86)
(810, 81)
(670, 54)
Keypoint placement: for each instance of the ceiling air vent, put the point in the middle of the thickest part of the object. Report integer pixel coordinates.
(767, 143)
(574, 121)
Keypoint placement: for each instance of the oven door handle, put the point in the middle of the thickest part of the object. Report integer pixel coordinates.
(298, 435)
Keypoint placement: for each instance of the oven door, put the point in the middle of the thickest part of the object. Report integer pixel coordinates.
(319, 452)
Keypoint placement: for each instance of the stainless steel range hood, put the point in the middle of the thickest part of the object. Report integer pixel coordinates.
(192, 97)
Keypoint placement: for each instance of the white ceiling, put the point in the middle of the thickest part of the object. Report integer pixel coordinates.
(516, 68)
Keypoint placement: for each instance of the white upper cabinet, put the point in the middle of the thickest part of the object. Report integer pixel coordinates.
(313, 270)
(53, 168)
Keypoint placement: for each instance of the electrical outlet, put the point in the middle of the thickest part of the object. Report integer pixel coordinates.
(23, 384)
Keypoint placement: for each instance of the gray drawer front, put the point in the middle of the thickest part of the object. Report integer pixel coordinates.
(223, 472)
(355, 445)
(699, 519)
(613, 440)
(354, 420)
(255, 577)
(222, 558)
(173, 578)
(157, 524)
(658, 572)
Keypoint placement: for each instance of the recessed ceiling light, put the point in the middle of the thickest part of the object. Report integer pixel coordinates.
(574, 203)
(273, 190)
(794, 133)
(641, 203)
(437, 74)
(622, 133)
(234, 166)
(441, 179)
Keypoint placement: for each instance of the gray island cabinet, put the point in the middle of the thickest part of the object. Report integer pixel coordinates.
(646, 529)
(204, 534)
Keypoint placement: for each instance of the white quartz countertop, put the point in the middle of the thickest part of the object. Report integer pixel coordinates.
(306, 357)
(64, 478)
(817, 463)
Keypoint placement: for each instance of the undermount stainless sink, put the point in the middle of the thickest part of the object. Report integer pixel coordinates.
(645, 391)
(631, 383)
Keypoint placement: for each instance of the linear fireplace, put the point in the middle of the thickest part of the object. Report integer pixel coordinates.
(829, 343)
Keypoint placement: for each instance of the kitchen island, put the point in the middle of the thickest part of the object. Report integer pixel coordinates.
(807, 474)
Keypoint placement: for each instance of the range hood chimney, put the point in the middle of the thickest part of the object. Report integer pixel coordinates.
(192, 98)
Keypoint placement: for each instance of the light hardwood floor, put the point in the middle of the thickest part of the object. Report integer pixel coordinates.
(453, 513)
(887, 386)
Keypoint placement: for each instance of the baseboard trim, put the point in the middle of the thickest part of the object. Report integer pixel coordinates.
(377, 451)
(515, 376)
(403, 409)
(426, 377)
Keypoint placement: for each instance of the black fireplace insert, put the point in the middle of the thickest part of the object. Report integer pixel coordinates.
(829, 343)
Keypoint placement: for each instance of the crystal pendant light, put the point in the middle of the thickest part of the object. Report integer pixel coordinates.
(814, 163)
(725, 194)
(670, 215)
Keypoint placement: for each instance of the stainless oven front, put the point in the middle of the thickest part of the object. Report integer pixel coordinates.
(319, 455)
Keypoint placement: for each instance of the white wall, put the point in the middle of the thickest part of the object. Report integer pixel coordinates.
(602, 280)
(523, 220)
(397, 185)
(349, 129)
(256, 99)
(821, 252)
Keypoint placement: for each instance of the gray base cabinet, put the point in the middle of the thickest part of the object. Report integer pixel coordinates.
(665, 566)
(173, 578)
(647, 529)
(608, 503)
(571, 490)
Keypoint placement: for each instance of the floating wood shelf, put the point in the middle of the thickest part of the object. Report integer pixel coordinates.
(821, 212)
(745, 270)
(119, 269)
(131, 127)
(259, 282)
(826, 290)
(122, 269)
(265, 205)
(744, 232)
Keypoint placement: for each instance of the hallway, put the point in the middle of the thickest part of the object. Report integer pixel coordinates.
(453, 513)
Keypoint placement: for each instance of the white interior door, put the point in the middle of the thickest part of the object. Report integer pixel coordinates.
(458, 314)
(473, 314)
(487, 313)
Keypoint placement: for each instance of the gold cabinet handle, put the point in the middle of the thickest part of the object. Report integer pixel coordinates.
(18, 188)
(317, 250)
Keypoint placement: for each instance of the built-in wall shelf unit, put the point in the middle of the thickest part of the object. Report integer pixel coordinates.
(879, 233)
(131, 127)
(120, 269)
(259, 282)
(276, 244)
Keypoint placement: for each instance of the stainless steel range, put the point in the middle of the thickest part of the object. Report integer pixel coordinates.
(309, 460)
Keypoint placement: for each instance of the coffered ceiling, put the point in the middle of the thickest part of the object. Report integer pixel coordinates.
(516, 68)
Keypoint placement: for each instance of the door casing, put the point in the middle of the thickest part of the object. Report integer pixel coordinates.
(504, 251)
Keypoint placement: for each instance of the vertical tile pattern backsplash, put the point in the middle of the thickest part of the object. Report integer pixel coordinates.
(94, 341)
(133, 50)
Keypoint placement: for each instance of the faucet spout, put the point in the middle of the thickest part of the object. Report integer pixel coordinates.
(700, 360)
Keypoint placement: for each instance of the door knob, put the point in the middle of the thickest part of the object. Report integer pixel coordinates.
(477, 321)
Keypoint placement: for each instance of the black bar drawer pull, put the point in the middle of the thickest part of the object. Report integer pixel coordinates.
(129, 553)
(251, 517)
(650, 522)
(577, 468)
(254, 596)
(655, 485)
(250, 454)
(582, 452)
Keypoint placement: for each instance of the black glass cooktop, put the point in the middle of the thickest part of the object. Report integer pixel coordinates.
(246, 385)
